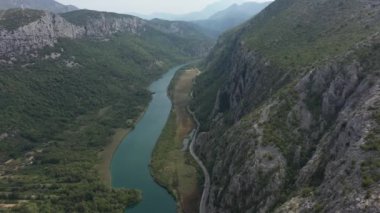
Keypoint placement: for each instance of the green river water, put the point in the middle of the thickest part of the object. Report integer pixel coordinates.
(130, 163)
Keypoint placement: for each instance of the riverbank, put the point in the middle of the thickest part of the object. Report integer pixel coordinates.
(107, 154)
(172, 166)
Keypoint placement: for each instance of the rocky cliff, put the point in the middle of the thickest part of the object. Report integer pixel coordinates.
(102, 24)
(297, 138)
(45, 29)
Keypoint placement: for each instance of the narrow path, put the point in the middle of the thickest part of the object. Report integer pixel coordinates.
(206, 186)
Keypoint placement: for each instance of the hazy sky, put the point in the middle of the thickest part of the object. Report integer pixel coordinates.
(143, 6)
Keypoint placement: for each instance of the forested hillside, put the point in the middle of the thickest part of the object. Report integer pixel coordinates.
(64, 91)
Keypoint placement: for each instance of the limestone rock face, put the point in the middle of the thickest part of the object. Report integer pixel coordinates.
(36, 35)
(295, 144)
(49, 28)
(103, 26)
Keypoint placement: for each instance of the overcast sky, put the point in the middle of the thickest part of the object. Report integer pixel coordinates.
(143, 6)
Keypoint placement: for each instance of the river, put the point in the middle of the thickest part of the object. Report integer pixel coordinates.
(130, 163)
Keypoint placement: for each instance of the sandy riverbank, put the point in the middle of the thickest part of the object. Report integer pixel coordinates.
(107, 154)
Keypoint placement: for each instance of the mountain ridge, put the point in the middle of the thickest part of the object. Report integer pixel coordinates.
(231, 17)
(49, 5)
(205, 13)
(49, 27)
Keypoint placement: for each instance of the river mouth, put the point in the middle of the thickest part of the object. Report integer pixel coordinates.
(130, 162)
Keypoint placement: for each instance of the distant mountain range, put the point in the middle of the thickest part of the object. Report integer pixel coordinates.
(49, 5)
(214, 19)
(206, 13)
(218, 17)
(231, 17)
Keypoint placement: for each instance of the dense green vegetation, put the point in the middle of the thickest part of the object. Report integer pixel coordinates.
(289, 39)
(166, 143)
(40, 99)
(370, 168)
(208, 83)
(181, 176)
(171, 166)
(84, 17)
(58, 114)
(15, 18)
(206, 90)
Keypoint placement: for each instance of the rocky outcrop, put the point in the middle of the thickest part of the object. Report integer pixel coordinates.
(289, 106)
(294, 143)
(104, 27)
(348, 90)
(41, 33)
(246, 174)
(49, 28)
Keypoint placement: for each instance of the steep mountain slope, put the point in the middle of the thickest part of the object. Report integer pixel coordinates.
(49, 5)
(289, 107)
(231, 17)
(67, 84)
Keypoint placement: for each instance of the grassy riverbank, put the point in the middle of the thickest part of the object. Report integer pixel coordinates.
(172, 167)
